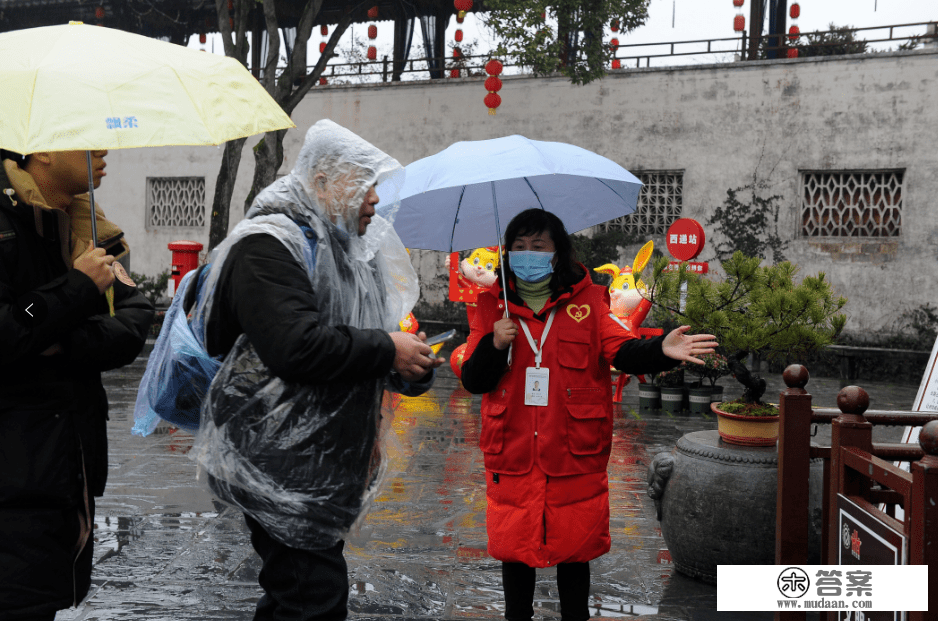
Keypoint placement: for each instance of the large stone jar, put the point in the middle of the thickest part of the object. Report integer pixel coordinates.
(716, 504)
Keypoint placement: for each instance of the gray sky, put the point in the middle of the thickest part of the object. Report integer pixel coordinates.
(686, 20)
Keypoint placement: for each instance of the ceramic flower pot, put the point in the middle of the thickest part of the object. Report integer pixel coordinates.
(746, 430)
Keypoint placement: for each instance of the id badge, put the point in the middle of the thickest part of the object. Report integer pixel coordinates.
(536, 385)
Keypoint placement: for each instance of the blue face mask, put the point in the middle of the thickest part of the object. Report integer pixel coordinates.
(531, 266)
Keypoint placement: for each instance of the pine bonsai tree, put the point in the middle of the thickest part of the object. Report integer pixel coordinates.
(754, 310)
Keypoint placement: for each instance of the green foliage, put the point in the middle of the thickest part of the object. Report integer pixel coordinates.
(154, 288)
(750, 227)
(714, 367)
(569, 40)
(757, 309)
(838, 40)
(673, 378)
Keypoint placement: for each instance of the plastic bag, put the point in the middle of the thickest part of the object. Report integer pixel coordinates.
(178, 374)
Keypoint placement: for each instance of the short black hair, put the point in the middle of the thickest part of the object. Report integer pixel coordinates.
(567, 272)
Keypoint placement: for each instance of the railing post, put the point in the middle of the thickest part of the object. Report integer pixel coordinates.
(794, 461)
(384, 75)
(794, 438)
(923, 515)
(848, 429)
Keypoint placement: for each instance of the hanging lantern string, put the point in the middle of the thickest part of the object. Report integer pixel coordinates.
(493, 84)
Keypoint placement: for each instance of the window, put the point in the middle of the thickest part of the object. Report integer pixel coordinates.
(175, 201)
(660, 202)
(851, 204)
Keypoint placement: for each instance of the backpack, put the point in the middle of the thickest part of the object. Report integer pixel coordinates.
(179, 370)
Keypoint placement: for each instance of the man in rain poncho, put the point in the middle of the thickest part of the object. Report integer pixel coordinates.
(303, 300)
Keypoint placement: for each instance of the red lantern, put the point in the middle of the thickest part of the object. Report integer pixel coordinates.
(616, 63)
(463, 5)
(322, 47)
(492, 101)
(99, 12)
(795, 11)
(324, 30)
(460, 19)
(738, 3)
(459, 36)
(493, 67)
(373, 12)
(457, 53)
(739, 23)
(493, 84)
(614, 43)
(615, 25)
(793, 52)
(323, 81)
(793, 32)
(454, 73)
(372, 52)
(201, 40)
(372, 31)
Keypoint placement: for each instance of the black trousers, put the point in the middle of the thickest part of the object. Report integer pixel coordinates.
(573, 583)
(299, 585)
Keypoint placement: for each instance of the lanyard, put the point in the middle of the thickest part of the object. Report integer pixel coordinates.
(538, 350)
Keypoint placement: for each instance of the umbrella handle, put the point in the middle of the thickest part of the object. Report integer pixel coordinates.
(94, 215)
(501, 253)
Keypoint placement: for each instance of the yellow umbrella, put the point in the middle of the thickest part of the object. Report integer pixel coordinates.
(80, 87)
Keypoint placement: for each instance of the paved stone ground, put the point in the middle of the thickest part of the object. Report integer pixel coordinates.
(166, 550)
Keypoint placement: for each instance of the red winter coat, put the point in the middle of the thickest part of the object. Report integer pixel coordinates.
(547, 489)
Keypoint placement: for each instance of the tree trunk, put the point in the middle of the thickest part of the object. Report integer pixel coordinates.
(754, 383)
(267, 162)
(224, 188)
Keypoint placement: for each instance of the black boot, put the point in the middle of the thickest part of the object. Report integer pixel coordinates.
(573, 583)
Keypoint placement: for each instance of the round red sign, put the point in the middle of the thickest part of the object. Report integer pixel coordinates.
(685, 239)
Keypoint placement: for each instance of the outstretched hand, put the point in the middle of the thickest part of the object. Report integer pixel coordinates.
(680, 346)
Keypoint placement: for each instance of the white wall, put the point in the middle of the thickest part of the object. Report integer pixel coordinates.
(721, 124)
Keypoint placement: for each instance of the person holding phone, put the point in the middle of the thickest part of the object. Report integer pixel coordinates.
(303, 303)
(546, 433)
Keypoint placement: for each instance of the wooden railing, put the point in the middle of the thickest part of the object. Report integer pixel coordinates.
(857, 468)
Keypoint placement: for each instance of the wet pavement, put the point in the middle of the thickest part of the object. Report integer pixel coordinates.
(165, 549)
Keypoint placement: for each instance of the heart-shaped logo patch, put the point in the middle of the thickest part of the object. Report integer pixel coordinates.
(578, 313)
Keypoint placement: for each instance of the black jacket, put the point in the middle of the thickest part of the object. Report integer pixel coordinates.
(53, 409)
(296, 401)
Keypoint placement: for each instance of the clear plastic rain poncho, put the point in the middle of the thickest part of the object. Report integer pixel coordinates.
(305, 459)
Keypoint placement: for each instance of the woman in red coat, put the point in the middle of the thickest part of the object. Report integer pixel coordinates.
(547, 410)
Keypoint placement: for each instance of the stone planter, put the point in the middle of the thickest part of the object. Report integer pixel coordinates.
(699, 400)
(672, 399)
(649, 398)
(716, 395)
(746, 430)
(716, 504)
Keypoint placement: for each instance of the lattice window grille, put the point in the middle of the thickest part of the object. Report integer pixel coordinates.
(660, 203)
(176, 201)
(851, 204)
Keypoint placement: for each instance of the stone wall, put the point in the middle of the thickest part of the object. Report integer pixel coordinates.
(723, 125)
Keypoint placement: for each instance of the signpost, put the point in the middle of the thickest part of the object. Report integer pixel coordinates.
(685, 241)
(864, 540)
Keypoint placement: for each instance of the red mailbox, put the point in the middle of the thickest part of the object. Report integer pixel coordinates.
(185, 259)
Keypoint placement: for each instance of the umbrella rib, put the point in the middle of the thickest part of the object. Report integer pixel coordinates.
(452, 235)
(614, 191)
(533, 191)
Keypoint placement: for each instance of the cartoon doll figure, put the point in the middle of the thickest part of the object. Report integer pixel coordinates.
(474, 274)
(627, 296)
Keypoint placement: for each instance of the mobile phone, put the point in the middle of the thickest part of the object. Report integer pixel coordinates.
(441, 338)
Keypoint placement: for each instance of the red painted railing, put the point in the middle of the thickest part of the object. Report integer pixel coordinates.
(858, 468)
